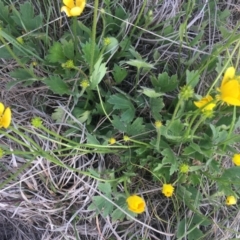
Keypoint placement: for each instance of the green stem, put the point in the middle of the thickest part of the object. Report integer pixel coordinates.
(93, 42)
(191, 123)
(125, 187)
(158, 139)
(202, 119)
(232, 126)
(75, 37)
(138, 142)
(175, 112)
(137, 80)
(101, 102)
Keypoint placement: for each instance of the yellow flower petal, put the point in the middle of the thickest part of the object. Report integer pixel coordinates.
(80, 3)
(229, 74)
(230, 92)
(1, 108)
(69, 3)
(236, 159)
(6, 118)
(231, 200)
(205, 104)
(136, 204)
(66, 10)
(168, 190)
(76, 11)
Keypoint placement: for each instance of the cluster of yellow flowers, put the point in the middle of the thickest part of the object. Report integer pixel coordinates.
(229, 92)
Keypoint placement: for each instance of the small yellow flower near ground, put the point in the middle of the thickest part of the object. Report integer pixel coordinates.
(126, 138)
(205, 103)
(236, 159)
(5, 116)
(168, 190)
(84, 83)
(112, 140)
(230, 88)
(231, 200)
(20, 40)
(73, 8)
(36, 122)
(34, 63)
(184, 168)
(68, 64)
(106, 41)
(158, 124)
(136, 204)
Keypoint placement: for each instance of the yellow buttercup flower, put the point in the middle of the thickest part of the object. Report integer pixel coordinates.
(184, 168)
(205, 103)
(168, 190)
(5, 116)
(73, 8)
(158, 124)
(112, 140)
(84, 83)
(36, 122)
(231, 200)
(136, 204)
(236, 159)
(230, 88)
(126, 138)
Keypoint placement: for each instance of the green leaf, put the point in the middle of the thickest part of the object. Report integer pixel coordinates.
(140, 64)
(176, 128)
(100, 204)
(21, 74)
(57, 85)
(4, 13)
(91, 139)
(117, 215)
(119, 73)
(4, 53)
(122, 103)
(25, 17)
(164, 83)
(170, 158)
(98, 73)
(231, 174)
(150, 92)
(192, 78)
(58, 114)
(181, 229)
(136, 127)
(87, 51)
(156, 105)
(56, 54)
(118, 124)
(68, 49)
(195, 234)
(105, 188)
(85, 28)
